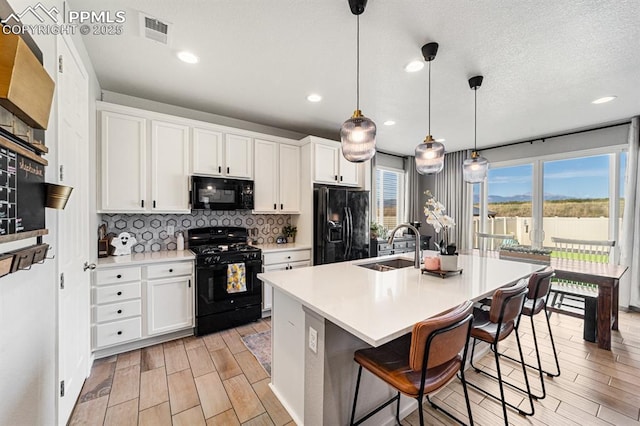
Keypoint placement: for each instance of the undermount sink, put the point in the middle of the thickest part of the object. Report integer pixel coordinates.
(387, 265)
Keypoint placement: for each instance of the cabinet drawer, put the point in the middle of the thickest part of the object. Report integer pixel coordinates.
(168, 270)
(117, 275)
(118, 332)
(116, 293)
(384, 246)
(286, 256)
(118, 311)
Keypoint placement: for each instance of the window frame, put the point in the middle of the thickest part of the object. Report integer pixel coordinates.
(613, 151)
(402, 194)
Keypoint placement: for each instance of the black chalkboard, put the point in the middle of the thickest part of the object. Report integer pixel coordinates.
(22, 193)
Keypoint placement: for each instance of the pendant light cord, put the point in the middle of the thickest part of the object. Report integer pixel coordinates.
(475, 119)
(358, 62)
(429, 95)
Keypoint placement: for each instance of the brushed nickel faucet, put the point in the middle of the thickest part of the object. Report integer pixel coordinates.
(416, 260)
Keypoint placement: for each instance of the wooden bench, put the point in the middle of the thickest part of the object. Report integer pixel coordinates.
(575, 298)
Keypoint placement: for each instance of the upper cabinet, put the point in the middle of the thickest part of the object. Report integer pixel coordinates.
(169, 167)
(216, 154)
(206, 152)
(238, 154)
(123, 155)
(330, 166)
(144, 164)
(277, 178)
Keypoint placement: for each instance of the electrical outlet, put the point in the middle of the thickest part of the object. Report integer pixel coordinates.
(313, 340)
(171, 230)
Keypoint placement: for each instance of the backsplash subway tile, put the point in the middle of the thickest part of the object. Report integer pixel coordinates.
(150, 231)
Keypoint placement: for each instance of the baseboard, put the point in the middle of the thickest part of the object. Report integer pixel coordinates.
(298, 421)
(143, 343)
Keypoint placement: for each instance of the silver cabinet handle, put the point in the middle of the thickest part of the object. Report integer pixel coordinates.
(88, 265)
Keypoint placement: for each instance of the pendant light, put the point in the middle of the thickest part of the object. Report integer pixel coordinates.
(358, 134)
(429, 154)
(475, 168)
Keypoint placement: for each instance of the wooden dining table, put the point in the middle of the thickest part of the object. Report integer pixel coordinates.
(605, 276)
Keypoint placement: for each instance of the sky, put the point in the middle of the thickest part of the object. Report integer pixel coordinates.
(586, 177)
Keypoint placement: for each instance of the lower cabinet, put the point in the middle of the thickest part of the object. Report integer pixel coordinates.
(281, 261)
(132, 303)
(169, 305)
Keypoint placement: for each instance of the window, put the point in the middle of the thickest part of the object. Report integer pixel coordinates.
(389, 197)
(569, 195)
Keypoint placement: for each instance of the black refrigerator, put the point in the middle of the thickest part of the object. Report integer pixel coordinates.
(341, 224)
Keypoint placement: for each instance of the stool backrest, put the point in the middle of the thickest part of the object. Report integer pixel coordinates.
(443, 337)
(540, 283)
(506, 303)
(598, 251)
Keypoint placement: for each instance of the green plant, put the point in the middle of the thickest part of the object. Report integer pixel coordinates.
(378, 230)
(289, 231)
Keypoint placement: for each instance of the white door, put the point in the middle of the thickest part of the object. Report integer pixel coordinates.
(348, 172)
(326, 163)
(266, 177)
(169, 167)
(289, 178)
(73, 227)
(169, 304)
(123, 141)
(206, 152)
(238, 153)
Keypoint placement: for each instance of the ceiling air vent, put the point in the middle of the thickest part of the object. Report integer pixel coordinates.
(154, 29)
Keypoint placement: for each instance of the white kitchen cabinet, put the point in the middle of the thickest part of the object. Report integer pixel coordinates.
(281, 261)
(206, 152)
(134, 304)
(123, 155)
(238, 154)
(169, 304)
(169, 167)
(331, 167)
(277, 178)
(144, 164)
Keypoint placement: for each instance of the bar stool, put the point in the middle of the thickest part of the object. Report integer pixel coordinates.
(539, 287)
(422, 362)
(495, 325)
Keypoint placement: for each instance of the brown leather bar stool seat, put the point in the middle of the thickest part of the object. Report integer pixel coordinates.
(422, 362)
(539, 286)
(494, 326)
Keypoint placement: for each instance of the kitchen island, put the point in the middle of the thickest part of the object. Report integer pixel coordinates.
(322, 314)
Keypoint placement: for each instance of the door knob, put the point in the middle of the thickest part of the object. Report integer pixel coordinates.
(88, 265)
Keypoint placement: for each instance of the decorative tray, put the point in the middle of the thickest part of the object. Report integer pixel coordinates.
(440, 273)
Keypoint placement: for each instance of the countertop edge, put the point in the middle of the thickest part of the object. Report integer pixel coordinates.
(274, 248)
(145, 258)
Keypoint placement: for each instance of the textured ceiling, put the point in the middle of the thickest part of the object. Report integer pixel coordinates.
(544, 61)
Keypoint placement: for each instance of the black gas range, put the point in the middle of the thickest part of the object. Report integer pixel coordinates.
(228, 291)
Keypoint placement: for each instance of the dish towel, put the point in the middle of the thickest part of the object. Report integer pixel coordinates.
(236, 278)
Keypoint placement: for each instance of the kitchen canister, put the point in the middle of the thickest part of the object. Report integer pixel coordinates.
(180, 242)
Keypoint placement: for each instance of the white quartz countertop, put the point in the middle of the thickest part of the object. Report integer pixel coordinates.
(378, 307)
(140, 258)
(272, 248)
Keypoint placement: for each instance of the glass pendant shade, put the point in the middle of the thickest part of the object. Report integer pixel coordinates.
(358, 136)
(429, 157)
(475, 168)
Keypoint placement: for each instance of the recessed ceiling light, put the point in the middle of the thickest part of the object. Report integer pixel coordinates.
(389, 123)
(188, 57)
(414, 66)
(440, 140)
(314, 97)
(604, 100)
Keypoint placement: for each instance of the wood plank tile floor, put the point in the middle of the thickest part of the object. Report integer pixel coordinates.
(214, 380)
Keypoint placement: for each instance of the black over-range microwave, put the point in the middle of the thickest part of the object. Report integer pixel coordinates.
(209, 193)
